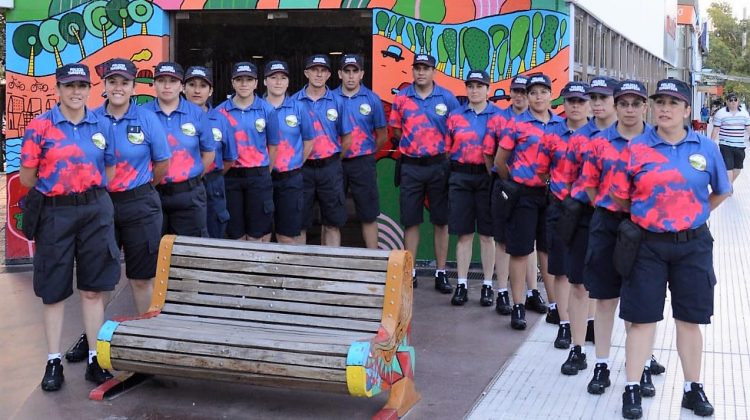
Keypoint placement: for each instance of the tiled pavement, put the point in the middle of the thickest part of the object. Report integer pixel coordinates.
(530, 385)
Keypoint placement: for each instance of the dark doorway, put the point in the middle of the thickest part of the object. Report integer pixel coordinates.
(217, 39)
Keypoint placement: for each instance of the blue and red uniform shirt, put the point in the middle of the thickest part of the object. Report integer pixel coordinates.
(601, 164)
(495, 127)
(467, 138)
(188, 134)
(223, 135)
(523, 136)
(139, 140)
(667, 185)
(70, 158)
(422, 121)
(331, 120)
(255, 128)
(553, 153)
(367, 114)
(578, 149)
(295, 128)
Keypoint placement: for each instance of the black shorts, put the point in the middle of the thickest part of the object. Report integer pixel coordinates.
(496, 207)
(361, 180)
(250, 203)
(138, 222)
(599, 274)
(470, 211)
(184, 211)
(217, 215)
(419, 182)
(686, 267)
(558, 260)
(527, 225)
(83, 234)
(578, 247)
(288, 189)
(734, 157)
(324, 184)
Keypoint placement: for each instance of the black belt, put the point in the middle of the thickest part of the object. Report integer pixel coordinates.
(676, 237)
(468, 168)
(76, 199)
(246, 172)
(130, 194)
(422, 160)
(349, 159)
(619, 215)
(552, 198)
(213, 175)
(319, 163)
(527, 190)
(179, 187)
(277, 176)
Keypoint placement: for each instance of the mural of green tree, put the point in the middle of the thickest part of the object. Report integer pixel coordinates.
(442, 57)
(563, 28)
(141, 12)
(51, 39)
(477, 47)
(60, 6)
(381, 22)
(97, 23)
(536, 29)
(391, 26)
(549, 35)
(410, 35)
(399, 29)
(419, 29)
(428, 39)
(499, 34)
(117, 13)
(73, 30)
(450, 38)
(26, 44)
(519, 42)
(426, 10)
(461, 53)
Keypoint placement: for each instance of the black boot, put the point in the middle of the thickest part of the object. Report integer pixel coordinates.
(502, 304)
(647, 385)
(656, 367)
(696, 400)
(590, 331)
(459, 297)
(600, 381)
(518, 317)
(563, 337)
(80, 350)
(53, 375)
(576, 362)
(631, 402)
(442, 284)
(95, 374)
(486, 296)
(553, 317)
(536, 303)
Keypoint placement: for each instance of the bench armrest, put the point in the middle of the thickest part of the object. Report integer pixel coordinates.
(159, 295)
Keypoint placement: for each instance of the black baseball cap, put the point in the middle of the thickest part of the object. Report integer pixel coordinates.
(352, 60)
(673, 87)
(318, 60)
(519, 82)
(244, 68)
(276, 66)
(120, 67)
(478, 76)
(424, 59)
(539, 79)
(199, 72)
(631, 87)
(169, 68)
(576, 89)
(75, 72)
(731, 96)
(603, 85)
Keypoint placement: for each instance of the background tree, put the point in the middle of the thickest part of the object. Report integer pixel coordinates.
(519, 42)
(499, 34)
(141, 12)
(73, 30)
(563, 28)
(450, 38)
(118, 14)
(400, 29)
(549, 35)
(442, 57)
(381, 22)
(725, 55)
(391, 26)
(477, 47)
(428, 29)
(419, 29)
(97, 23)
(536, 29)
(26, 44)
(51, 39)
(411, 37)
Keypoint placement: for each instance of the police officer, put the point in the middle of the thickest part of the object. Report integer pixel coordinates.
(469, 184)
(296, 134)
(248, 182)
(664, 168)
(67, 157)
(418, 117)
(198, 90)
(183, 196)
(516, 162)
(322, 171)
(553, 166)
(368, 135)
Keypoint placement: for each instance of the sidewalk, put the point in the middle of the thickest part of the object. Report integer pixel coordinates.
(531, 386)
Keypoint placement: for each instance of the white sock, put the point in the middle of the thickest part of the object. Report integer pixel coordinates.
(413, 272)
(589, 319)
(627, 384)
(53, 356)
(604, 360)
(92, 354)
(647, 363)
(583, 349)
(486, 282)
(552, 306)
(462, 281)
(438, 272)
(687, 386)
(564, 322)
(529, 293)
(503, 290)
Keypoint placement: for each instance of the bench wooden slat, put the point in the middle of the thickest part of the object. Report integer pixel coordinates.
(276, 294)
(270, 256)
(221, 363)
(279, 269)
(271, 317)
(276, 306)
(232, 376)
(294, 283)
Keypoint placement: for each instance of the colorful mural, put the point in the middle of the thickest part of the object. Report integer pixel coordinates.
(503, 37)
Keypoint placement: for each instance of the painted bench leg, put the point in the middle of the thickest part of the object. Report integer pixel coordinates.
(120, 383)
(402, 398)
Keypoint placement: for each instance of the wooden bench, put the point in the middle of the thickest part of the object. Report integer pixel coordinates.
(335, 319)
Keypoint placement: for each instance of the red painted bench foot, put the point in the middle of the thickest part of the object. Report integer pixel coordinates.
(120, 383)
(401, 399)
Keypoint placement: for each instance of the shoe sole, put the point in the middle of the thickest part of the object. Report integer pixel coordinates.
(597, 389)
(458, 302)
(632, 415)
(551, 321)
(647, 392)
(54, 387)
(518, 326)
(504, 312)
(76, 359)
(701, 414)
(486, 303)
(96, 381)
(656, 370)
(572, 371)
(562, 346)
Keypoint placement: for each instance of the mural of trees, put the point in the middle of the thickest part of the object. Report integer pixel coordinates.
(499, 34)
(450, 38)
(536, 29)
(399, 29)
(73, 30)
(477, 48)
(563, 28)
(428, 38)
(117, 13)
(549, 35)
(141, 12)
(381, 22)
(391, 26)
(419, 29)
(410, 35)
(97, 22)
(442, 57)
(26, 44)
(519, 42)
(51, 39)
(461, 53)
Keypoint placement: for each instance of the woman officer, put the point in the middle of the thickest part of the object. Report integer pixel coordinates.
(665, 183)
